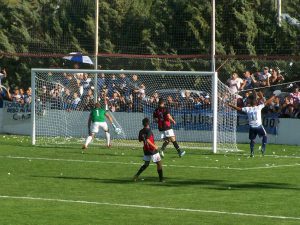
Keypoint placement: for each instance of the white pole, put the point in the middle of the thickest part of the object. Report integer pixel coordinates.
(33, 89)
(279, 12)
(215, 112)
(215, 76)
(213, 36)
(96, 48)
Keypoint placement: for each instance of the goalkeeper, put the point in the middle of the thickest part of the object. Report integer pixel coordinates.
(97, 120)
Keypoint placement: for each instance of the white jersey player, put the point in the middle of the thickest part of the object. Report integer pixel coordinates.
(254, 117)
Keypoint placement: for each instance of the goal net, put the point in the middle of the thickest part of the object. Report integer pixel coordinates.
(64, 98)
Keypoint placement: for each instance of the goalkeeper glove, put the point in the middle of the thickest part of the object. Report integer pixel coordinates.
(117, 130)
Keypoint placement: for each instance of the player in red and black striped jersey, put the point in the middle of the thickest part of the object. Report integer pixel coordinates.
(150, 150)
(164, 120)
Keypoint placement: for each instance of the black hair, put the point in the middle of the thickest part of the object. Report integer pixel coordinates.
(160, 101)
(97, 105)
(252, 100)
(145, 121)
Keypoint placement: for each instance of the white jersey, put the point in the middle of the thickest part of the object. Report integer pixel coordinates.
(254, 114)
(234, 85)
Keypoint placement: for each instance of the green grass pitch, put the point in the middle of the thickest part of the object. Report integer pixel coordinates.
(41, 185)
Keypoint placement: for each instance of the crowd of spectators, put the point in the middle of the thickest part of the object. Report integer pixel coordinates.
(262, 85)
(121, 93)
(128, 93)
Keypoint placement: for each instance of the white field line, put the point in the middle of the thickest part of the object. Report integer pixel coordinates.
(278, 156)
(149, 207)
(135, 163)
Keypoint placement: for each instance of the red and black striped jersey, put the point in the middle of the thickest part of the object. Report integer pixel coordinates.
(163, 121)
(145, 134)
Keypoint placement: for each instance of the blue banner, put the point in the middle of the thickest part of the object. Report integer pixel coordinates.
(197, 119)
(269, 121)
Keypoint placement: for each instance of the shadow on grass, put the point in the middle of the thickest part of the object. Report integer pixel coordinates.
(92, 179)
(226, 185)
(174, 182)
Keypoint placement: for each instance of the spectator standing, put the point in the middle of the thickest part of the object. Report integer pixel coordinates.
(123, 85)
(87, 101)
(170, 103)
(135, 91)
(75, 101)
(67, 99)
(16, 97)
(3, 75)
(101, 82)
(27, 96)
(114, 102)
(263, 77)
(85, 83)
(187, 101)
(124, 106)
(287, 108)
(73, 84)
(275, 77)
(198, 102)
(112, 85)
(235, 83)
(296, 94)
(249, 81)
(4, 95)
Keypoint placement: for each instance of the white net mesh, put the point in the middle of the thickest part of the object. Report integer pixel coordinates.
(65, 97)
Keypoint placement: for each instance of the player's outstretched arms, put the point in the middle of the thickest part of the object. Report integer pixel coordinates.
(234, 107)
(270, 100)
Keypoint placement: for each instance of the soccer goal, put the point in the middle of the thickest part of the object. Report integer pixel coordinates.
(63, 99)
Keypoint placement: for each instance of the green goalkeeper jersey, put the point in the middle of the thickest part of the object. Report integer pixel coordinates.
(98, 115)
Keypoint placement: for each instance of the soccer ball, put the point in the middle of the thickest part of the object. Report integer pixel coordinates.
(118, 130)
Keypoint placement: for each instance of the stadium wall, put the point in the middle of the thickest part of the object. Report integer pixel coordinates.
(288, 129)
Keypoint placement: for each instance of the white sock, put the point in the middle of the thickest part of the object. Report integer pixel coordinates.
(107, 138)
(88, 140)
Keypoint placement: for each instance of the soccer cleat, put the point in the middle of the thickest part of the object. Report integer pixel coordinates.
(84, 148)
(181, 153)
(251, 155)
(109, 146)
(162, 154)
(262, 150)
(135, 178)
(162, 181)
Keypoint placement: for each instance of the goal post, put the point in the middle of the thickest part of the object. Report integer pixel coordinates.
(62, 99)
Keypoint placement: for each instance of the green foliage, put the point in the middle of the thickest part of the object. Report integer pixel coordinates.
(145, 27)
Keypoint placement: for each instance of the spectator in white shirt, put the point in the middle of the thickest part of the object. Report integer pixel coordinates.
(235, 83)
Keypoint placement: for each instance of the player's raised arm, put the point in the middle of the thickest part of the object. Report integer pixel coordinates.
(270, 100)
(234, 107)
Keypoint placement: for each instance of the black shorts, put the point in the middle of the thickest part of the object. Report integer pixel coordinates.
(254, 131)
